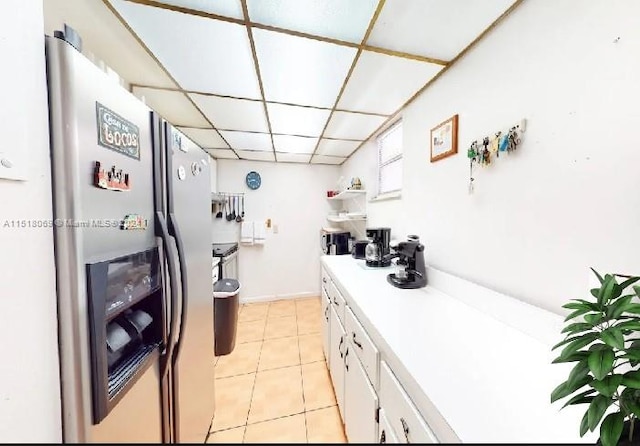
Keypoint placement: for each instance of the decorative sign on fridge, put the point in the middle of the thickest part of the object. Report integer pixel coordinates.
(133, 221)
(113, 179)
(116, 133)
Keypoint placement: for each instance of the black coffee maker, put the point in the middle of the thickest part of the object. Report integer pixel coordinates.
(411, 271)
(377, 251)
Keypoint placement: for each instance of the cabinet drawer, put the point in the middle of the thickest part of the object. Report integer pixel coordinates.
(337, 301)
(385, 431)
(363, 346)
(407, 423)
(325, 278)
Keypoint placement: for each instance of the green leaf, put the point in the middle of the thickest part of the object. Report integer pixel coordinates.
(598, 276)
(566, 388)
(579, 372)
(616, 310)
(577, 356)
(631, 379)
(633, 308)
(577, 306)
(568, 339)
(596, 410)
(611, 429)
(576, 314)
(608, 385)
(600, 363)
(581, 398)
(584, 424)
(595, 292)
(636, 288)
(629, 281)
(577, 327)
(594, 318)
(607, 290)
(628, 325)
(613, 336)
(630, 401)
(577, 344)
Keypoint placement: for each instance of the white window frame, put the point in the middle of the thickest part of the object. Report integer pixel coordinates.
(395, 193)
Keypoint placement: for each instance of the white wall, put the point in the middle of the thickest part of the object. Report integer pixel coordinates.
(293, 196)
(567, 199)
(29, 379)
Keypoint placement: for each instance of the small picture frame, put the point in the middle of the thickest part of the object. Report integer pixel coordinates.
(444, 139)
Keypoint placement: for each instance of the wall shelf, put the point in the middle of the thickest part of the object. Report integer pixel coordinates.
(348, 193)
(338, 219)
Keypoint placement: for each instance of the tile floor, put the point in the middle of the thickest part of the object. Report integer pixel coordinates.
(275, 387)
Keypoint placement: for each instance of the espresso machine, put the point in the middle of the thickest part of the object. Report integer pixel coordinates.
(410, 267)
(377, 252)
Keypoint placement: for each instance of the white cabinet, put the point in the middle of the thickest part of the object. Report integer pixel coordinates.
(336, 359)
(385, 431)
(402, 415)
(362, 346)
(326, 326)
(360, 401)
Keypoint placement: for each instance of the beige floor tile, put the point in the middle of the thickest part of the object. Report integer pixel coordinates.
(304, 306)
(311, 348)
(318, 390)
(281, 308)
(325, 426)
(235, 435)
(243, 359)
(283, 430)
(278, 353)
(253, 312)
(250, 331)
(233, 399)
(277, 393)
(309, 323)
(281, 327)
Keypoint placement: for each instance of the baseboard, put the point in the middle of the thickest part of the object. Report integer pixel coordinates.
(273, 297)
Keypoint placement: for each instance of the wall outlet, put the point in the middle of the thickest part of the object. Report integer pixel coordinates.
(275, 228)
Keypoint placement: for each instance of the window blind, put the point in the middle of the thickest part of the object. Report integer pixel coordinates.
(390, 160)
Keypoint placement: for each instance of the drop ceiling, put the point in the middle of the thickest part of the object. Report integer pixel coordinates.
(295, 81)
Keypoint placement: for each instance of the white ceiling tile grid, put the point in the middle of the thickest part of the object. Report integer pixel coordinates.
(248, 141)
(345, 20)
(293, 157)
(294, 144)
(234, 114)
(205, 138)
(222, 153)
(352, 125)
(202, 54)
(324, 159)
(337, 147)
(226, 8)
(301, 71)
(256, 155)
(434, 28)
(382, 84)
(173, 106)
(293, 120)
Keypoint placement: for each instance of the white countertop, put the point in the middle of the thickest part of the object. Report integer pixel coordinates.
(483, 361)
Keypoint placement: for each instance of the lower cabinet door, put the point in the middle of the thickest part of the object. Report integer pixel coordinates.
(326, 330)
(361, 402)
(336, 358)
(385, 431)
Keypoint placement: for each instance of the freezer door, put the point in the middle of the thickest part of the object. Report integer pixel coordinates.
(189, 217)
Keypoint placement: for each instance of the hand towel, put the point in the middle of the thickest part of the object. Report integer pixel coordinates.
(259, 233)
(247, 233)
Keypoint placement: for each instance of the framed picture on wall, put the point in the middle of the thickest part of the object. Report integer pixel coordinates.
(444, 139)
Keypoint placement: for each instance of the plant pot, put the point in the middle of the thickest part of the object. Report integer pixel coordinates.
(624, 438)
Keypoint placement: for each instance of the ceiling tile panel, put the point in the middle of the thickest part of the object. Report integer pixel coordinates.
(293, 157)
(337, 147)
(382, 84)
(201, 54)
(222, 153)
(257, 156)
(352, 125)
(299, 70)
(233, 114)
(338, 19)
(205, 138)
(173, 106)
(323, 159)
(294, 120)
(246, 140)
(294, 144)
(226, 8)
(434, 28)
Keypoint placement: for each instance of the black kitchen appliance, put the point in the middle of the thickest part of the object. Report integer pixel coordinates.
(359, 249)
(336, 243)
(410, 271)
(228, 254)
(377, 250)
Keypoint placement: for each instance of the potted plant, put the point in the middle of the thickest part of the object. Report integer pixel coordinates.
(603, 339)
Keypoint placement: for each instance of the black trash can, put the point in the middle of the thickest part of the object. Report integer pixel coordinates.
(226, 303)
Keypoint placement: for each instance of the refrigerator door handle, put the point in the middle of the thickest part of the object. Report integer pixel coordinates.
(175, 232)
(163, 232)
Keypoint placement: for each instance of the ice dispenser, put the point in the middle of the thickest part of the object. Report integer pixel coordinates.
(126, 324)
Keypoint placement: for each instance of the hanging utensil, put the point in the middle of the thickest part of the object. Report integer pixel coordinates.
(227, 204)
(242, 207)
(238, 217)
(233, 209)
(220, 207)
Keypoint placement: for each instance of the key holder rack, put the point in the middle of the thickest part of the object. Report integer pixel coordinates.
(489, 148)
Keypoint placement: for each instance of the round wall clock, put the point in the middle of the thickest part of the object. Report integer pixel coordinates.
(253, 180)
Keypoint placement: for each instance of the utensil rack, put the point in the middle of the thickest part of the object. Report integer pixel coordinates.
(220, 197)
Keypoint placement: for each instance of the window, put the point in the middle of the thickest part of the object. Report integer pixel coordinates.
(390, 160)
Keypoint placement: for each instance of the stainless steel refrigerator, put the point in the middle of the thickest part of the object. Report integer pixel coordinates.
(131, 200)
